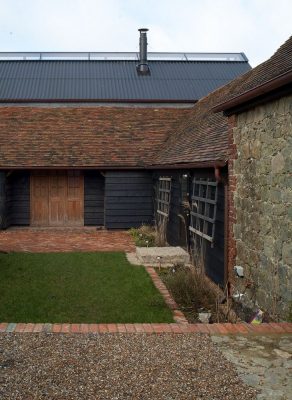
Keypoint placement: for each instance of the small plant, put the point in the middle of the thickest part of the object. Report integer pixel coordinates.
(144, 236)
(189, 289)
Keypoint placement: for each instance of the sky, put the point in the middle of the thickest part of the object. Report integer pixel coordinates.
(255, 27)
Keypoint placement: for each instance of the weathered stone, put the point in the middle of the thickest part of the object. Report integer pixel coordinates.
(275, 195)
(255, 149)
(278, 163)
(162, 255)
(245, 150)
(287, 253)
(263, 197)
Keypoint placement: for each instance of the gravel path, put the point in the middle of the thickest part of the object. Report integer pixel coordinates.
(116, 366)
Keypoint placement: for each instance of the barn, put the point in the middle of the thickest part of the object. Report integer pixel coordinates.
(91, 139)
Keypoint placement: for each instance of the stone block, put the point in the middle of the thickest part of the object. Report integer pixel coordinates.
(287, 253)
(255, 149)
(168, 255)
(277, 163)
(245, 150)
(269, 247)
(275, 195)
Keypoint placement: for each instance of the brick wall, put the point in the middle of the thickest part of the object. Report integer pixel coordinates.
(260, 211)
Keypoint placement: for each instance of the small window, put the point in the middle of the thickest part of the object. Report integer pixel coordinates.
(203, 209)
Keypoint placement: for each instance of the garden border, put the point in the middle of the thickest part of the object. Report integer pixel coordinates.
(178, 315)
(210, 329)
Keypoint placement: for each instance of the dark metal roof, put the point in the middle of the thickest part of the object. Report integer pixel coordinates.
(113, 80)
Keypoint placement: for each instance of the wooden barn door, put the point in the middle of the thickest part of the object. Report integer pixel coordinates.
(57, 198)
(75, 198)
(39, 199)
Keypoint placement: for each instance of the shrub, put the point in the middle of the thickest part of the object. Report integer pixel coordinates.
(188, 286)
(144, 236)
(190, 290)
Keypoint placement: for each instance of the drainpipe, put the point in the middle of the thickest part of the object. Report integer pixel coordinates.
(224, 181)
(218, 174)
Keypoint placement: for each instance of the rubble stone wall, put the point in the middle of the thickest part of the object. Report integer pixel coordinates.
(262, 201)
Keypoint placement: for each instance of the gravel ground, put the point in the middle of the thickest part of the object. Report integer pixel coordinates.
(116, 366)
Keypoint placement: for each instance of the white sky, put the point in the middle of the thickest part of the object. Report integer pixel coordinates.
(256, 27)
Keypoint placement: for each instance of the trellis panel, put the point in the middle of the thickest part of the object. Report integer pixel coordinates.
(203, 209)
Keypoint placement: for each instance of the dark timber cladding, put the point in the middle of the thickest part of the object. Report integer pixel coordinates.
(18, 198)
(178, 234)
(128, 199)
(3, 216)
(93, 198)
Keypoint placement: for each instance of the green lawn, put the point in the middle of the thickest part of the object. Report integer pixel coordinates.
(77, 287)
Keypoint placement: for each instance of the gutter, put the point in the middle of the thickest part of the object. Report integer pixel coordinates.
(259, 90)
(201, 164)
(207, 164)
(97, 101)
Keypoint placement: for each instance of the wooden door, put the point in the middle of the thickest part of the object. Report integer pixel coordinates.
(75, 199)
(39, 199)
(57, 198)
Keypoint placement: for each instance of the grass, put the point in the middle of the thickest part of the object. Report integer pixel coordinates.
(77, 288)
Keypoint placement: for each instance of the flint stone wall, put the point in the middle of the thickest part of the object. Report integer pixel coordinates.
(262, 200)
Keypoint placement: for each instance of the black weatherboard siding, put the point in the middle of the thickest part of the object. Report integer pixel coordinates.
(128, 199)
(3, 215)
(18, 198)
(178, 234)
(113, 80)
(214, 256)
(93, 198)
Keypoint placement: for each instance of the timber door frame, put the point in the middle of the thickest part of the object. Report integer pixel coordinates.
(46, 203)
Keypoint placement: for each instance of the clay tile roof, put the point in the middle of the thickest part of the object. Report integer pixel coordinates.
(276, 67)
(84, 136)
(201, 139)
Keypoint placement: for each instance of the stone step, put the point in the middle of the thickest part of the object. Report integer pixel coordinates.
(164, 256)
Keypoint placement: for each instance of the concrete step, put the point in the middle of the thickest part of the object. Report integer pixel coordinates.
(164, 256)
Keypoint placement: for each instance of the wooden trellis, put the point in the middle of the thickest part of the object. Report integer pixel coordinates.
(203, 210)
(163, 196)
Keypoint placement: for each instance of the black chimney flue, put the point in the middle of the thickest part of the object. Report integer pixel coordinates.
(143, 67)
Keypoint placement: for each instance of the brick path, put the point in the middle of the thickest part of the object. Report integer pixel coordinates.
(62, 240)
(211, 329)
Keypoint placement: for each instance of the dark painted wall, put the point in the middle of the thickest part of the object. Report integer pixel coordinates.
(128, 199)
(3, 201)
(18, 198)
(93, 198)
(177, 227)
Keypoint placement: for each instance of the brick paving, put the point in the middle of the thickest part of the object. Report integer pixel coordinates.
(49, 240)
(211, 329)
